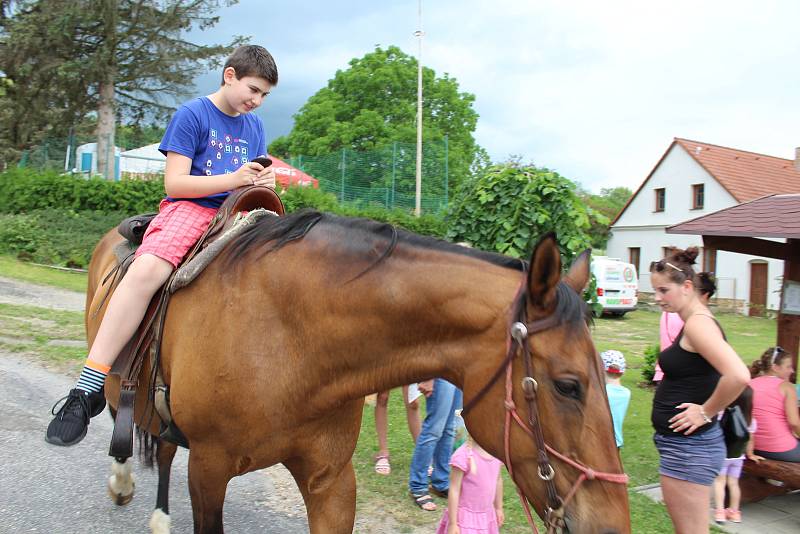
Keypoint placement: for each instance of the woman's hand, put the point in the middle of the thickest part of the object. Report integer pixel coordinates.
(426, 387)
(453, 529)
(689, 419)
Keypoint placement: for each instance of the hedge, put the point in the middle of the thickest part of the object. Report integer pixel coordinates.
(22, 190)
(57, 219)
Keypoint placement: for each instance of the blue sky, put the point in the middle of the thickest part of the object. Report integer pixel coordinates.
(594, 90)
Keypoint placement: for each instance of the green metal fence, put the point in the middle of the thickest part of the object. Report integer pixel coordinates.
(383, 177)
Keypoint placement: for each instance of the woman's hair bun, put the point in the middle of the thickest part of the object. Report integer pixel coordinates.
(687, 256)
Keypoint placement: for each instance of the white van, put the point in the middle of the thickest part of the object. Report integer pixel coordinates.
(617, 284)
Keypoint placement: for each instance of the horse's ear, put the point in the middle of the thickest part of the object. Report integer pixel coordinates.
(578, 276)
(545, 272)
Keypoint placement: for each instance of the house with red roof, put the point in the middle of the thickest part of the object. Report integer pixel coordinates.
(693, 179)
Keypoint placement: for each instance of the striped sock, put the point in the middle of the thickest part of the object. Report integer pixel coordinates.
(93, 376)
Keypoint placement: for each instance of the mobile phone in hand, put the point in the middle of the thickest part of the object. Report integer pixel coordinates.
(261, 160)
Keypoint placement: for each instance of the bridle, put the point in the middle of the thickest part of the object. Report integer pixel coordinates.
(517, 341)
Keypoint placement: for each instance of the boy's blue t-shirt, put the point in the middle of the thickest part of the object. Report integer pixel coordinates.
(618, 399)
(216, 143)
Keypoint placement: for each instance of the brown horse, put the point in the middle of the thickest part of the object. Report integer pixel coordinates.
(270, 352)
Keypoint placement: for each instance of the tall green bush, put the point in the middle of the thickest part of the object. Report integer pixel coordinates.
(511, 206)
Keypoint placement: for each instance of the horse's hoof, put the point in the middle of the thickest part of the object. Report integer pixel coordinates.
(120, 483)
(118, 498)
(160, 522)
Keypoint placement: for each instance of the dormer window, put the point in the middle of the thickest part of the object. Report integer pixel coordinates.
(660, 199)
(698, 196)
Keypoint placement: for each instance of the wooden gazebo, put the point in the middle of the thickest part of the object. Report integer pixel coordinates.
(742, 229)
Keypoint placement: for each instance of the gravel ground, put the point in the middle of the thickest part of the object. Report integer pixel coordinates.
(62, 489)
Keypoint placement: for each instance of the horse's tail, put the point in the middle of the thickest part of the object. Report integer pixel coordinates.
(146, 446)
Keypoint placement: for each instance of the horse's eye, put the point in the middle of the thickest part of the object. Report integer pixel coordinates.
(569, 388)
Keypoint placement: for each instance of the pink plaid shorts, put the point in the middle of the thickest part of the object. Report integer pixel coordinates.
(175, 230)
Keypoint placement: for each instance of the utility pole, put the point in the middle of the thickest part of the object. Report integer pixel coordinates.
(419, 34)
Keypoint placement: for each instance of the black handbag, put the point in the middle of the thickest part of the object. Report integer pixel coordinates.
(737, 434)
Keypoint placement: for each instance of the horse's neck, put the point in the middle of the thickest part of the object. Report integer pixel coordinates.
(418, 316)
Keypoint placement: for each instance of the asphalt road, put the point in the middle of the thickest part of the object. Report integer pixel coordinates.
(44, 488)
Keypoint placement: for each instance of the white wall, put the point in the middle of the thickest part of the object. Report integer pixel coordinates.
(676, 174)
(639, 226)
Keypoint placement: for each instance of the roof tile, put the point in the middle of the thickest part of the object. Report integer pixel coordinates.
(746, 175)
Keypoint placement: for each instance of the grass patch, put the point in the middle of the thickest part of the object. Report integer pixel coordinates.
(11, 267)
(52, 335)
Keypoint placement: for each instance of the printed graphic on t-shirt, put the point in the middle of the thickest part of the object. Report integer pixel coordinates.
(226, 153)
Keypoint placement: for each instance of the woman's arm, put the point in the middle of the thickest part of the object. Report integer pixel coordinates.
(702, 335)
(453, 495)
(790, 400)
(750, 453)
(180, 184)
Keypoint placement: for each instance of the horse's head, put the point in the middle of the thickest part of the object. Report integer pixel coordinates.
(565, 404)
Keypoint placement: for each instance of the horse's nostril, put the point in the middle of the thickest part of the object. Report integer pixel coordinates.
(609, 531)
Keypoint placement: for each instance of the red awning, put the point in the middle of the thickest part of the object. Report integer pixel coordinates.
(287, 175)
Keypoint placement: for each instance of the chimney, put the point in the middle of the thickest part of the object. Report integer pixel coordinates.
(797, 159)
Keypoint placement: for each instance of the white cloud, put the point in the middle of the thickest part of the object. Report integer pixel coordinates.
(595, 90)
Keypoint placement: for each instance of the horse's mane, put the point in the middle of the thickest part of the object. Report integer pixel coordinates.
(269, 234)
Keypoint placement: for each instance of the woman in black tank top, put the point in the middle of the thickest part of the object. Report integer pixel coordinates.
(702, 375)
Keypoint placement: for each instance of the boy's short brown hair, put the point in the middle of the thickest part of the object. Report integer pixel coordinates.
(253, 60)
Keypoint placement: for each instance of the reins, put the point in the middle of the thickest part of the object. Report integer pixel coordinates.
(517, 341)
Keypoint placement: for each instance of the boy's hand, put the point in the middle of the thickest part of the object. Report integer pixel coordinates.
(252, 173)
(266, 177)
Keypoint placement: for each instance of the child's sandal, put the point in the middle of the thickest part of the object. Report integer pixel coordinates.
(424, 501)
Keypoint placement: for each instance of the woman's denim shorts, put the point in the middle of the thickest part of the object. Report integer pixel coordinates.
(694, 458)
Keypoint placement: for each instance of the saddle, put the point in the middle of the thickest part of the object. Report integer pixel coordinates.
(228, 222)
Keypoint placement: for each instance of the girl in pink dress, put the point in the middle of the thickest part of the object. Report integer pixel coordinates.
(475, 500)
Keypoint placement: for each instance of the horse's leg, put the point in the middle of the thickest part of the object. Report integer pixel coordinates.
(329, 494)
(324, 471)
(121, 483)
(160, 520)
(209, 474)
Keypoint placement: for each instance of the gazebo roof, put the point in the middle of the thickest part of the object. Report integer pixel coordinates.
(768, 216)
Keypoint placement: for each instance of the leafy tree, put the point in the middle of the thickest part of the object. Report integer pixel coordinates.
(603, 208)
(111, 57)
(511, 206)
(374, 103)
(135, 135)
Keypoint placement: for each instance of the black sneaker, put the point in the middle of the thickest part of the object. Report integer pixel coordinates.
(72, 419)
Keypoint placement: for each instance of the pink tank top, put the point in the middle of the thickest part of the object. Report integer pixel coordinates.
(769, 408)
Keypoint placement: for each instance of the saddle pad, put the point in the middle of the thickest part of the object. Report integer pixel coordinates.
(191, 269)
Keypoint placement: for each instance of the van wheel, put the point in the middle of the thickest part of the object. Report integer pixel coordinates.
(619, 313)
